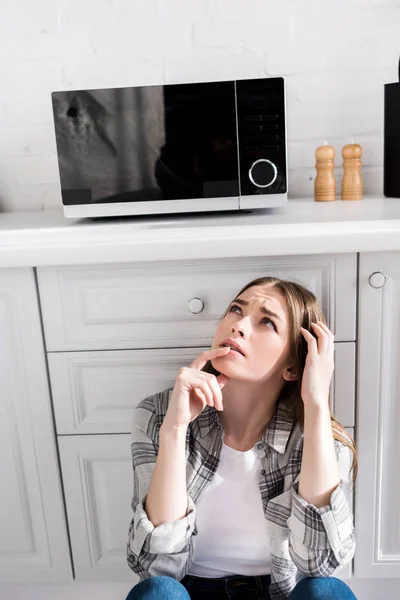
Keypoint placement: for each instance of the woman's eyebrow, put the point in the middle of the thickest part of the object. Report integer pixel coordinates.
(263, 309)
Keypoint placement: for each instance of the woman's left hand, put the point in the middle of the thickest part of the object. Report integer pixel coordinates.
(319, 365)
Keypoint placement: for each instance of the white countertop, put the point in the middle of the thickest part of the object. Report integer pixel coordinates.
(302, 227)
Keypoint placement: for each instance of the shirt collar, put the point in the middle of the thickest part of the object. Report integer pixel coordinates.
(276, 435)
(279, 428)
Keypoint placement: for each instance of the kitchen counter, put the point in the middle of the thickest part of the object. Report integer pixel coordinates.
(302, 227)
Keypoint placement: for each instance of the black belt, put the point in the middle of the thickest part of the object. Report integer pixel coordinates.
(229, 584)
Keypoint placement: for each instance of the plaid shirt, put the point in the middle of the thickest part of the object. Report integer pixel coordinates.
(305, 540)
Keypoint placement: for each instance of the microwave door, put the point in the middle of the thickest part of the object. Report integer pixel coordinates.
(161, 144)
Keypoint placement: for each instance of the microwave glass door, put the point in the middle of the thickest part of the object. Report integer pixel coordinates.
(147, 143)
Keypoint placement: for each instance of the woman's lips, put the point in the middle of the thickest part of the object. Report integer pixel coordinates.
(232, 352)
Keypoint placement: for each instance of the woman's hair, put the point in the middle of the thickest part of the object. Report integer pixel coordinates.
(303, 309)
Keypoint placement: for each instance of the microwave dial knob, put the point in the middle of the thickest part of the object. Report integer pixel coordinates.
(263, 173)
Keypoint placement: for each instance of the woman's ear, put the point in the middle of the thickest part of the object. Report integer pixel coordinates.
(289, 374)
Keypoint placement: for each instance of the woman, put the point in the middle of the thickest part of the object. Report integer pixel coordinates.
(241, 474)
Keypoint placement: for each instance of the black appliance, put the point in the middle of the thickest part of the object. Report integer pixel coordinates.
(177, 148)
(391, 160)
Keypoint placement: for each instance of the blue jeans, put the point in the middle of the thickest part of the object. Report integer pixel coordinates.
(240, 588)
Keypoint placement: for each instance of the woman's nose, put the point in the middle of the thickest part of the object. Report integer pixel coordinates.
(241, 326)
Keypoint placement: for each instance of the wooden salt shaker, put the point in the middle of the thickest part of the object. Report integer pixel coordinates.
(352, 187)
(325, 182)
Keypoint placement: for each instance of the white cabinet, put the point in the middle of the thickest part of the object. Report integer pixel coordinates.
(33, 535)
(118, 333)
(378, 423)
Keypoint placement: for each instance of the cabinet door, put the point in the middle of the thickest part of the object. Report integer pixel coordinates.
(378, 399)
(33, 539)
(97, 475)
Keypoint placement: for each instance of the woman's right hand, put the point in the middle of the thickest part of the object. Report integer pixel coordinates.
(193, 390)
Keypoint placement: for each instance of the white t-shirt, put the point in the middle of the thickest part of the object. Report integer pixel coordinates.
(232, 536)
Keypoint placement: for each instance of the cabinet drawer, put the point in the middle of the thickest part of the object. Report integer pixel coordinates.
(144, 305)
(96, 392)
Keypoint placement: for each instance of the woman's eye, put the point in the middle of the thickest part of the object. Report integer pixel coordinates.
(265, 319)
(269, 320)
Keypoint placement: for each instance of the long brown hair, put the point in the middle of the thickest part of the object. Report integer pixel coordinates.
(303, 309)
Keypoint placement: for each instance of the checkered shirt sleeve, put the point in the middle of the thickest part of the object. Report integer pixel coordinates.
(165, 549)
(323, 539)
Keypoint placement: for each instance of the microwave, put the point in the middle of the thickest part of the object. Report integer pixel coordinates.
(176, 148)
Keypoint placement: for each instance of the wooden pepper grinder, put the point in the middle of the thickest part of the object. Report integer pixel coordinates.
(325, 182)
(352, 187)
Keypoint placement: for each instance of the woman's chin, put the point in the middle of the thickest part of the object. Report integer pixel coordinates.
(225, 367)
(219, 365)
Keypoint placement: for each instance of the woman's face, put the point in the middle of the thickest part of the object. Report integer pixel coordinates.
(262, 337)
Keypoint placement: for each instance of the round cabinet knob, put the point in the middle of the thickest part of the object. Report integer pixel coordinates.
(377, 280)
(263, 173)
(196, 306)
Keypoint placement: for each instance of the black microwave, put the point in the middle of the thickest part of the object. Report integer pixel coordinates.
(177, 148)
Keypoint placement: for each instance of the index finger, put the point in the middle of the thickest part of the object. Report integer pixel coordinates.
(203, 357)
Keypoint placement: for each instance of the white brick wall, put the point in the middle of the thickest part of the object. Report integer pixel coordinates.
(335, 56)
